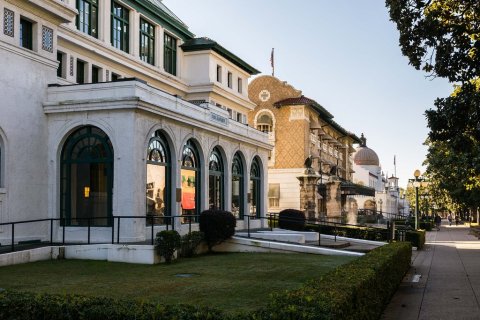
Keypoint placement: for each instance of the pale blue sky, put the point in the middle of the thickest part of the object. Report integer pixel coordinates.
(343, 53)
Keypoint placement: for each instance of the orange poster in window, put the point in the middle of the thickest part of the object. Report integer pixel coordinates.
(188, 189)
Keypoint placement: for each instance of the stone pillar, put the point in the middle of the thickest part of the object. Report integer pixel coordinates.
(334, 199)
(308, 189)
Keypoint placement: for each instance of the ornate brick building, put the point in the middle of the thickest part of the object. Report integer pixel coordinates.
(307, 142)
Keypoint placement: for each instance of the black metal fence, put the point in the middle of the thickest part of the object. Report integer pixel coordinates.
(114, 223)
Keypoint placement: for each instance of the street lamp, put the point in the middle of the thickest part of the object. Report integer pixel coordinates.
(416, 184)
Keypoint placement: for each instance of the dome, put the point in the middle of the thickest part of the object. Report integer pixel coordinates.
(365, 156)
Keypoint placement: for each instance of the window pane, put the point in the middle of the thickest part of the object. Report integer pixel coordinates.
(170, 54)
(156, 193)
(189, 192)
(120, 27)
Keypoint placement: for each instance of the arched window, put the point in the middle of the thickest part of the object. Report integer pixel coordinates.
(158, 177)
(190, 173)
(265, 123)
(2, 164)
(87, 178)
(254, 188)
(215, 180)
(238, 194)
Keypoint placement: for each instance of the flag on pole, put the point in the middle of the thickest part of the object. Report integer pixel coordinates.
(272, 61)
(394, 160)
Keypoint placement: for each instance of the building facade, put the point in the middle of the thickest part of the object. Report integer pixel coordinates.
(304, 136)
(387, 201)
(114, 108)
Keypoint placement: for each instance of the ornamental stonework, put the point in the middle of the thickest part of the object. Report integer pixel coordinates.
(47, 39)
(71, 66)
(8, 22)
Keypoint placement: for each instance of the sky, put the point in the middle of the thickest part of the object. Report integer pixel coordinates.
(344, 54)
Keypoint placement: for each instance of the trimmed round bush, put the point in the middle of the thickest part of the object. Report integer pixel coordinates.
(166, 243)
(217, 226)
(190, 242)
(291, 219)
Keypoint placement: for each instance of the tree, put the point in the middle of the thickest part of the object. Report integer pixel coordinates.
(456, 119)
(440, 37)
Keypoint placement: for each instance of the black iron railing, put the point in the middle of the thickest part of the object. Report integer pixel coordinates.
(114, 223)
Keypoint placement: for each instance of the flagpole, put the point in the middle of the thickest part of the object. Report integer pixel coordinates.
(272, 61)
(395, 165)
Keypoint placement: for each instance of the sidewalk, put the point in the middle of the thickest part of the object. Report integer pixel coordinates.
(444, 281)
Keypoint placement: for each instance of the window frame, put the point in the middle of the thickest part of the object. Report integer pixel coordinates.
(229, 79)
(83, 65)
(26, 35)
(196, 167)
(220, 174)
(61, 64)
(240, 85)
(219, 73)
(150, 58)
(124, 22)
(170, 54)
(160, 138)
(2, 162)
(238, 172)
(256, 184)
(85, 135)
(95, 73)
(92, 19)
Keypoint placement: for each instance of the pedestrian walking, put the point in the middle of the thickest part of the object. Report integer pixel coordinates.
(449, 217)
(438, 222)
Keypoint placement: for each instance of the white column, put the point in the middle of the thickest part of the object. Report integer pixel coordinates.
(159, 33)
(134, 33)
(104, 21)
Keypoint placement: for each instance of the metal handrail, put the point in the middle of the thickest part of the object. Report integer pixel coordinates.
(270, 217)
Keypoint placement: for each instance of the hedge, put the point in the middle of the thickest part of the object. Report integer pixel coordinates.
(358, 290)
(27, 306)
(352, 232)
(417, 238)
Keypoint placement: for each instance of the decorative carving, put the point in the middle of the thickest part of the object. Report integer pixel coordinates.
(71, 66)
(8, 22)
(47, 39)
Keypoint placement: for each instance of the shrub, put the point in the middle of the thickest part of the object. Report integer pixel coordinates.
(190, 242)
(166, 243)
(291, 219)
(217, 226)
(358, 290)
(426, 225)
(27, 306)
(417, 238)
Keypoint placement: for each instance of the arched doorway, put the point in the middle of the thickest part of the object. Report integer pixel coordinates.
(216, 180)
(254, 188)
(190, 174)
(238, 194)
(158, 186)
(86, 178)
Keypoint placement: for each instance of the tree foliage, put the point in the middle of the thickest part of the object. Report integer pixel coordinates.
(440, 36)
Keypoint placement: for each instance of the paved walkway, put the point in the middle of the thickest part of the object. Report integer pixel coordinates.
(444, 281)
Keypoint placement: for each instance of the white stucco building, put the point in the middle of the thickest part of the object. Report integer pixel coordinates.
(368, 172)
(114, 109)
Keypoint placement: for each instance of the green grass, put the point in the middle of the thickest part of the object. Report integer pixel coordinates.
(231, 282)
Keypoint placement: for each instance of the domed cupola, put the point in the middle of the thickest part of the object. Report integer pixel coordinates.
(364, 155)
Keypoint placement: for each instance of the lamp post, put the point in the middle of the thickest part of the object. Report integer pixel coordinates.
(416, 184)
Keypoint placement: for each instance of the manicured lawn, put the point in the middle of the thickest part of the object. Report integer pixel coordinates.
(231, 282)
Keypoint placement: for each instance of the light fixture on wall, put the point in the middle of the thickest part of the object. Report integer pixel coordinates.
(86, 192)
